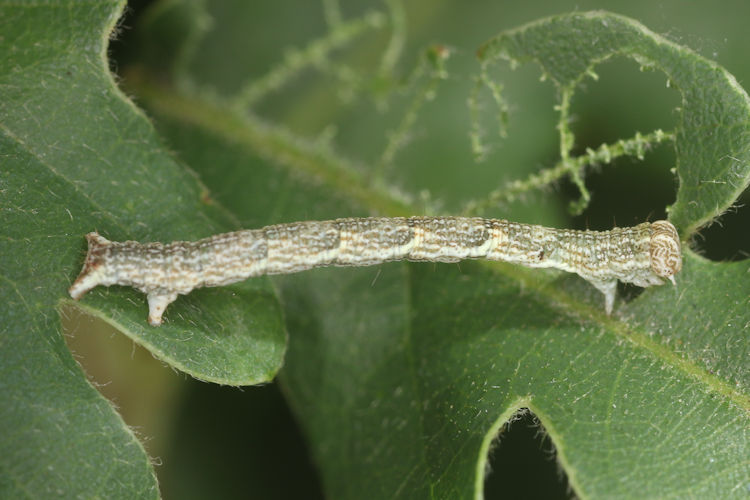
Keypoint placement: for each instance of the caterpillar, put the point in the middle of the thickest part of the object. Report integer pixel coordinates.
(642, 255)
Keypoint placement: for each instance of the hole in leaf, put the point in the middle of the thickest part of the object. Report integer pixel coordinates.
(217, 441)
(727, 239)
(143, 391)
(624, 101)
(629, 191)
(522, 462)
(126, 45)
(626, 192)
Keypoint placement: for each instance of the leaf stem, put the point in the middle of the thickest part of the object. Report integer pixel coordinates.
(314, 54)
(434, 59)
(392, 53)
(478, 149)
(332, 13)
(575, 166)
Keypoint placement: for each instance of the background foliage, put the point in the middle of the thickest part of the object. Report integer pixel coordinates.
(396, 374)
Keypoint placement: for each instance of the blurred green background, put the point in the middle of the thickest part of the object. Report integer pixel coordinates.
(225, 442)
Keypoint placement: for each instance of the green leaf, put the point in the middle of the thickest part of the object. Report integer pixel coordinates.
(402, 375)
(77, 157)
(713, 134)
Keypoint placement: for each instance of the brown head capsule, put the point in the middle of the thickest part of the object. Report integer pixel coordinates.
(664, 249)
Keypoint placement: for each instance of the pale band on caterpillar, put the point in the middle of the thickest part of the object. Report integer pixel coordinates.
(642, 255)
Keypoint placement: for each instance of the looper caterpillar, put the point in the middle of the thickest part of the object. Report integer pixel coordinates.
(642, 255)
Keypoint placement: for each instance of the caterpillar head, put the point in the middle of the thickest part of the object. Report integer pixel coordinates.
(666, 257)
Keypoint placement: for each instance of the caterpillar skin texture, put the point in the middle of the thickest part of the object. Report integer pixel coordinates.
(642, 255)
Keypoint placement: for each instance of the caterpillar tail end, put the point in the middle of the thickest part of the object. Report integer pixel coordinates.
(92, 274)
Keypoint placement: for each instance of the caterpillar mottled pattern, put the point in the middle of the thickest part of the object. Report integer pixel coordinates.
(642, 255)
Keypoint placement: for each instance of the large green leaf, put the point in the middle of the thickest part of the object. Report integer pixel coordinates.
(77, 156)
(402, 375)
